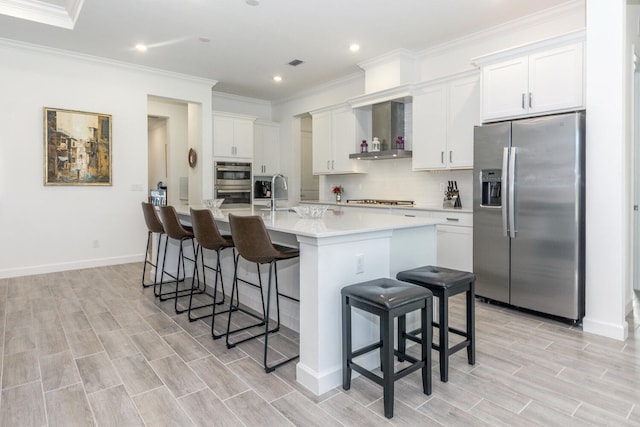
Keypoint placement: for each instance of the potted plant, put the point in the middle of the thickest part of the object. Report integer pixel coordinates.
(338, 190)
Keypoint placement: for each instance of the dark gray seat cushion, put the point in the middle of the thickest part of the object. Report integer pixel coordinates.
(434, 276)
(386, 293)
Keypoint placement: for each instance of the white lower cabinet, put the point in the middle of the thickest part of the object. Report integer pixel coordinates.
(455, 240)
(455, 237)
(455, 247)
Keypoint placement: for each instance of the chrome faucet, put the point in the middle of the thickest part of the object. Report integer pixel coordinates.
(273, 189)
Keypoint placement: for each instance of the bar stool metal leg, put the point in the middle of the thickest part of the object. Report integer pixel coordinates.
(346, 343)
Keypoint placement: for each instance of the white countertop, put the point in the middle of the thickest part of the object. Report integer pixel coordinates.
(435, 208)
(333, 223)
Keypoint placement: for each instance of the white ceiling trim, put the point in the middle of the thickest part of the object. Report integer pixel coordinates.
(43, 11)
(22, 47)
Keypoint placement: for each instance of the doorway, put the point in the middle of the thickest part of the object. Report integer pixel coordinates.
(309, 183)
(157, 153)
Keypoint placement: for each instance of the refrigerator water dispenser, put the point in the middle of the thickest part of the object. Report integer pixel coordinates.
(491, 183)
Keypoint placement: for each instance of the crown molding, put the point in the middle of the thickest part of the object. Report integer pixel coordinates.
(241, 98)
(568, 8)
(321, 88)
(104, 61)
(401, 53)
(43, 12)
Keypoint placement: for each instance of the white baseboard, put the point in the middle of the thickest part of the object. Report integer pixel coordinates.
(67, 266)
(610, 330)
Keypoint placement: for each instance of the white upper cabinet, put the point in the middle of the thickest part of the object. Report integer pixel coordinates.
(444, 114)
(266, 148)
(334, 136)
(232, 136)
(546, 77)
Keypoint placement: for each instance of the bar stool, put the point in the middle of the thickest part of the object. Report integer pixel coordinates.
(254, 245)
(208, 237)
(387, 299)
(176, 231)
(153, 226)
(445, 282)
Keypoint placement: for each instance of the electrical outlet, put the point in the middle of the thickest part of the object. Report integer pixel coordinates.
(96, 244)
(359, 263)
(442, 187)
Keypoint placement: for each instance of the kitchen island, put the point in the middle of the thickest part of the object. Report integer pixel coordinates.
(339, 249)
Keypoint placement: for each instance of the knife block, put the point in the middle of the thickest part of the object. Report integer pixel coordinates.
(452, 200)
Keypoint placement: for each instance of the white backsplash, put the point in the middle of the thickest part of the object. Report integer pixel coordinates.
(394, 179)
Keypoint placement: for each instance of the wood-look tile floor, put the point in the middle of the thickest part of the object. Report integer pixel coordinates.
(91, 347)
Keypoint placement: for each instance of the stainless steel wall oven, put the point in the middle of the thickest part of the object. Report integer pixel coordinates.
(233, 183)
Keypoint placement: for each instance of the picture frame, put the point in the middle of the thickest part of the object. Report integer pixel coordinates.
(77, 148)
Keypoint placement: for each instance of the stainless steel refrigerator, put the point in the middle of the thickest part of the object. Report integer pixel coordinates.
(528, 213)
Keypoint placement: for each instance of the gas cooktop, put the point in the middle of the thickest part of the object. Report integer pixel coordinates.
(381, 202)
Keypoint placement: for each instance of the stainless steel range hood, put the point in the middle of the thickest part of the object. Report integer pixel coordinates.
(387, 124)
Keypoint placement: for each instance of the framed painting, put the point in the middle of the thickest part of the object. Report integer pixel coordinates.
(77, 147)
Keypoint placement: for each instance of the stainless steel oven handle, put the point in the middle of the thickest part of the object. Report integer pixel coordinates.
(504, 193)
(234, 168)
(234, 190)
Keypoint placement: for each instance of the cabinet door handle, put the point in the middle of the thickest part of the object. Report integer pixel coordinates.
(333, 164)
(450, 156)
(442, 157)
(522, 101)
(328, 168)
(530, 99)
(410, 216)
(453, 219)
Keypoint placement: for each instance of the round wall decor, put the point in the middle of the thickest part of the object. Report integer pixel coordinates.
(193, 158)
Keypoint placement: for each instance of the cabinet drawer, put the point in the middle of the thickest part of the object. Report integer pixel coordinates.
(464, 219)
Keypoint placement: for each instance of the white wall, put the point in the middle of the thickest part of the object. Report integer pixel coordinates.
(54, 228)
(633, 47)
(607, 267)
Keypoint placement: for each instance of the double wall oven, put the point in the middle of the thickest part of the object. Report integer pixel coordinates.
(233, 183)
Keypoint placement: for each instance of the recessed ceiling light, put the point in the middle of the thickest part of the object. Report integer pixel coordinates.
(277, 78)
(354, 47)
(141, 47)
(252, 2)
(204, 39)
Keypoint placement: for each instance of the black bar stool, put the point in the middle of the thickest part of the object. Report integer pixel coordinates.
(176, 231)
(253, 243)
(445, 282)
(153, 226)
(387, 299)
(208, 237)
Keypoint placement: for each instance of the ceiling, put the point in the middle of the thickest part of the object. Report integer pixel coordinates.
(245, 46)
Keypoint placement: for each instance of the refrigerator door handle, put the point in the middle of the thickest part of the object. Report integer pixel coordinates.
(511, 189)
(505, 191)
